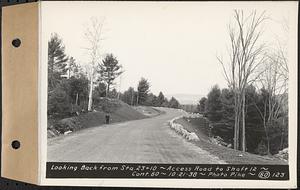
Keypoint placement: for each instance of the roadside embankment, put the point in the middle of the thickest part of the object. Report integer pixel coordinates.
(198, 126)
(117, 110)
(148, 111)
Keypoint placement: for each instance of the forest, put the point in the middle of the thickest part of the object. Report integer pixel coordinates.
(252, 113)
(75, 88)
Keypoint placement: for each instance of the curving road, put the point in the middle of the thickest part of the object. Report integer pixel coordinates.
(140, 141)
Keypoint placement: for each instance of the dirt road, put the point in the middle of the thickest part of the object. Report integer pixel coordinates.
(141, 141)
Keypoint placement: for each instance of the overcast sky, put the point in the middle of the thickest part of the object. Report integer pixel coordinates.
(172, 44)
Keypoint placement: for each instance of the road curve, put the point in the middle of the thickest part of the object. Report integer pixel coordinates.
(140, 141)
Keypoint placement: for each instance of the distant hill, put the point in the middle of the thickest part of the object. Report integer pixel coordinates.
(186, 98)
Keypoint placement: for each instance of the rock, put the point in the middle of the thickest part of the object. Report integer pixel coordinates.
(193, 137)
(283, 154)
(67, 132)
(180, 130)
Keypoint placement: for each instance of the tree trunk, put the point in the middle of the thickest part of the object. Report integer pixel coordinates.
(243, 125)
(76, 100)
(132, 96)
(90, 95)
(282, 135)
(137, 98)
(107, 90)
(235, 139)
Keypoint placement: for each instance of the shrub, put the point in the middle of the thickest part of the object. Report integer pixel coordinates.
(68, 124)
(261, 149)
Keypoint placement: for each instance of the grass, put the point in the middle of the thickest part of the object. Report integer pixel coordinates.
(228, 155)
(116, 109)
(148, 111)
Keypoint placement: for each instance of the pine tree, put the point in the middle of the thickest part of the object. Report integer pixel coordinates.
(173, 103)
(161, 99)
(57, 61)
(201, 105)
(143, 89)
(109, 70)
(214, 105)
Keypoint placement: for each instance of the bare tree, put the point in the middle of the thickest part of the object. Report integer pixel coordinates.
(93, 35)
(245, 55)
(274, 81)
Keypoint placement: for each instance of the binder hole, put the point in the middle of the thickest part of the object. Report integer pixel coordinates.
(16, 144)
(16, 42)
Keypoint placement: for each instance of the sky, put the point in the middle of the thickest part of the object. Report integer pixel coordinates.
(172, 44)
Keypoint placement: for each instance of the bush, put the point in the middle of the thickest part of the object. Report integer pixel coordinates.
(58, 102)
(106, 104)
(68, 124)
(261, 149)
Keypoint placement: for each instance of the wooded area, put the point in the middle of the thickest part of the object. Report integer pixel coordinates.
(254, 106)
(73, 87)
(251, 113)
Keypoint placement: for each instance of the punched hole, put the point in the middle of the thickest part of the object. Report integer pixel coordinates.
(16, 144)
(16, 42)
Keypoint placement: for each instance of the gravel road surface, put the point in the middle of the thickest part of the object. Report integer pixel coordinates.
(148, 140)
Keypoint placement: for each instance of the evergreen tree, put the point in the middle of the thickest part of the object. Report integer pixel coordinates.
(143, 90)
(151, 100)
(109, 70)
(214, 104)
(173, 103)
(201, 105)
(161, 100)
(100, 90)
(74, 69)
(57, 61)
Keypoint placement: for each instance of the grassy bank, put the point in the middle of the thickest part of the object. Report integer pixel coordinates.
(116, 109)
(231, 156)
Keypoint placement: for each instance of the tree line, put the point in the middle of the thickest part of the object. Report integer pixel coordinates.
(218, 107)
(69, 84)
(143, 96)
(252, 112)
(74, 88)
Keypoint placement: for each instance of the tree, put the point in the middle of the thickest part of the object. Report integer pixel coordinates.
(151, 100)
(162, 100)
(245, 56)
(113, 93)
(173, 103)
(109, 70)
(93, 35)
(143, 90)
(78, 91)
(128, 96)
(57, 61)
(100, 90)
(74, 69)
(254, 128)
(214, 104)
(58, 102)
(201, 105)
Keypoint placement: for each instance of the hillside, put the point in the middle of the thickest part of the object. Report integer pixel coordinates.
(116, 109)
(229, 155)
(186, 98)
(148, 111)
